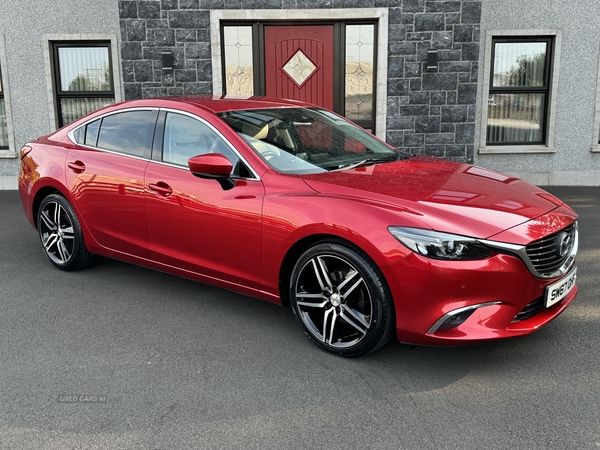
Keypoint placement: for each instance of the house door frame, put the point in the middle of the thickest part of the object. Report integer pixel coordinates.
(338, 18)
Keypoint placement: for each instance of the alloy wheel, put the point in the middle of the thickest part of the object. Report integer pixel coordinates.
(333, 301)
(56, 232)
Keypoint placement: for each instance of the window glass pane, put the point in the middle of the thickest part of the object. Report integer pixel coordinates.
(3, 128)
(519, 64)
(79, 135)
(186, 137)
(239, 76)
(91, 133)
(515, 118)
(84, 69)
(126, 132)
(298, 140)
(74, 108)
(360, 49)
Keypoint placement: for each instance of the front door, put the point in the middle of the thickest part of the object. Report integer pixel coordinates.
(299, 63)
(193, 223)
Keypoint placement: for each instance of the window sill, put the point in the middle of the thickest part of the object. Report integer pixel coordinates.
(516, 149)
(595, 148)
(7, 154)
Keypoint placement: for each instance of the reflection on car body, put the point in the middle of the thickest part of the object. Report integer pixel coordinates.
(293, 204)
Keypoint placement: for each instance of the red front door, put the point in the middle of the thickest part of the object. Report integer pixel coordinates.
(299, 63)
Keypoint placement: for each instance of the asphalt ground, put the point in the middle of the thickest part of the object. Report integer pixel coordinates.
(122, 357)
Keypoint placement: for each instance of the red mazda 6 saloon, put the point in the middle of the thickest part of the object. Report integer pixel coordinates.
(293, 204)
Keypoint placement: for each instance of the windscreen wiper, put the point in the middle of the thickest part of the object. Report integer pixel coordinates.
(364, 162)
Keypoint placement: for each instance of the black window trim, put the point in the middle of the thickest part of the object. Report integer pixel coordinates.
(546, 89)
(149, 136)
(159, 130)
(156, 136)
(58, 93)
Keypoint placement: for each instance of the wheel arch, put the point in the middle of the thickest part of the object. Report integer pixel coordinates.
(54, 188)
(39, 197)
(301, 245)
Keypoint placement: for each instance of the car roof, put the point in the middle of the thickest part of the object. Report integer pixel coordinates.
(231, 103)
(214, 104)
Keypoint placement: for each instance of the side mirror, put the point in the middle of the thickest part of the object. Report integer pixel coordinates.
(213, 166)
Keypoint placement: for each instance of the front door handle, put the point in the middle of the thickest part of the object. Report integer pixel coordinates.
(77, 166)
(161, 188)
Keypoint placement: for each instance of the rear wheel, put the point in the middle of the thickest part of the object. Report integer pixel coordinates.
(61, 235)
(341, 300)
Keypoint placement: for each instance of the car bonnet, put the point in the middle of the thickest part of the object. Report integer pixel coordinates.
(444, 195)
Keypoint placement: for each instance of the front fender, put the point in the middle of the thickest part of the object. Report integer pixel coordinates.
(364, 224)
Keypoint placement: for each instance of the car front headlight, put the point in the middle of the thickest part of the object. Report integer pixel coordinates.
(437, 245)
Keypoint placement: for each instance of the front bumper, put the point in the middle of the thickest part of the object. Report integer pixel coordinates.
(499, 296)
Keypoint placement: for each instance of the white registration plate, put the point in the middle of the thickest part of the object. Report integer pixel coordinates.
(561, 288)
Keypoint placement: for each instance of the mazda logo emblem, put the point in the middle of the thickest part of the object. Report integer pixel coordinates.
(565, 243)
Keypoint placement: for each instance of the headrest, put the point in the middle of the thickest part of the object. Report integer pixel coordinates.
(254, 131)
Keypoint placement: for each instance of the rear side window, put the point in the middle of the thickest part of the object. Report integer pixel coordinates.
(128, 132)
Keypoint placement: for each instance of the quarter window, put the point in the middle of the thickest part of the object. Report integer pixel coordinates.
(519, 91)
(83, 78)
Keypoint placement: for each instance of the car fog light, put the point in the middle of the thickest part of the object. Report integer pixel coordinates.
(457, 317)
(456, 320)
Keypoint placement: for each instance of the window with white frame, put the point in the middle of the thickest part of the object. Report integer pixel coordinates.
(519, 89)
(83, 78)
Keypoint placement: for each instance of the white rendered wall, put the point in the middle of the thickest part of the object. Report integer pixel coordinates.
(575, 159)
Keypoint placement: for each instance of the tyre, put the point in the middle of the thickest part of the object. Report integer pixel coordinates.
(341, 300)
(60, 233)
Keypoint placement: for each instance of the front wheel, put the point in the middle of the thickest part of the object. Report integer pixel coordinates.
(341, 300)
(61, 235)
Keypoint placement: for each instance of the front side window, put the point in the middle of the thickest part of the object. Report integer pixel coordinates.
(3, 122)
(185, 137)
(519, 91)
(83, 78)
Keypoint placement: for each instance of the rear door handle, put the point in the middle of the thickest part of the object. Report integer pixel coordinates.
(161, 188)
(77, 166)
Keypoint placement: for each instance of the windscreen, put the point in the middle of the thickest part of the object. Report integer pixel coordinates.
(308, 140)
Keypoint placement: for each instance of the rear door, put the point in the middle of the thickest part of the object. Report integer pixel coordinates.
(105, 176)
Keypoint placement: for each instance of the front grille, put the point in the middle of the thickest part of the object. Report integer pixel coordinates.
(547, 255)
(530, 310)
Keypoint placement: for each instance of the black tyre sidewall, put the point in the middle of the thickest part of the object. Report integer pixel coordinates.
(382, 308)
(81, 257)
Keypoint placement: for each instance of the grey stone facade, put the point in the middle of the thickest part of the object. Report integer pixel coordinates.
(431, 113)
